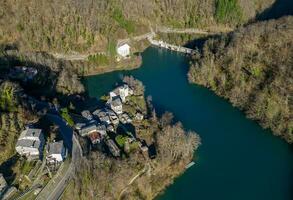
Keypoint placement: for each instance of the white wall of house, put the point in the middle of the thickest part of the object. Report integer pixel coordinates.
(56, 157)
(27, 151)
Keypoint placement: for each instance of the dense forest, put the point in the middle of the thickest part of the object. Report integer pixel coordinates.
(94, 26)
(252, 67)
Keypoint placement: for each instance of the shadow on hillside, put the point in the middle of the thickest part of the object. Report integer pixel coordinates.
(6, 168)
(198, 43)
(279, 9)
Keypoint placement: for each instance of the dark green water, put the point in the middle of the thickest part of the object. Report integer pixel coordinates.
(238, 160)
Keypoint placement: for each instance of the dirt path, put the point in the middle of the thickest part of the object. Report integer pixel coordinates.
(144, 170)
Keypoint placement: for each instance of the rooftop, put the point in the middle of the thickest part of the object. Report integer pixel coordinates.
(31, 132)
(88, 128)
(55, 147)
(28, 143)
(116, 102)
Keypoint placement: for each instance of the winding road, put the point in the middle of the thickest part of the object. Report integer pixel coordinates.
(54, 189)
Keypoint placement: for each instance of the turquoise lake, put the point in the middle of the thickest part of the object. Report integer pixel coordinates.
(238, 160)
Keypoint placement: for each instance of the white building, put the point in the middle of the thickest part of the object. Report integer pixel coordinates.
(30, 143)
(123, 50)
(56, 152)
(122, 91)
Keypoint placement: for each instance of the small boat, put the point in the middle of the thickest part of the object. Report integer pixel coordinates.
(189, 165)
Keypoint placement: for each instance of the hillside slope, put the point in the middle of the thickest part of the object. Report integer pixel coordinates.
(252, 67)
(94, 26)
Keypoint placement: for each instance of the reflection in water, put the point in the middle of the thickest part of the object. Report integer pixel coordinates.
(237, 160)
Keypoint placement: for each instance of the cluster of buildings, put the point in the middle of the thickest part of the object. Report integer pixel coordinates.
(106, 120)
(31, 142)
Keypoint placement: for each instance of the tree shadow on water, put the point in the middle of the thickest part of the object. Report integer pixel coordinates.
(279, 9)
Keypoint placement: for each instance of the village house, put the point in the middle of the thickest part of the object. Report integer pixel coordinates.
(30, 143)
(56, 152)
(122, 92)
(3, 185)
(116, 105)
(113, 117)
(110, 128)
(86, 114)
(101, 129)
(115, 151)
(95, 138)
(124, 118)
(95, 132)
(123, 51)
(88, 129)
(103, 116)
(139, 116)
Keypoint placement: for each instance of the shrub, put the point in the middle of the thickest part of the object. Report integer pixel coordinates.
(228, 11)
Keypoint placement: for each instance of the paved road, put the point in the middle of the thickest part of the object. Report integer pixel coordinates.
(58, 183)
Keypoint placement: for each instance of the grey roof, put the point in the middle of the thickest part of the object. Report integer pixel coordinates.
(28, 143)
(88, 128)
(55, 147)
(116, 102)
(113, 147)
(101, 127)
(31, 132)
(87, 114)
(98, 112)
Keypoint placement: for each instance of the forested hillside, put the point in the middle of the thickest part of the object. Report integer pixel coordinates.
(14, 114)
(253, 68)
(94, 26)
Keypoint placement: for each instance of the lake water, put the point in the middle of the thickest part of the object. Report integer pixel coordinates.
(238, 160)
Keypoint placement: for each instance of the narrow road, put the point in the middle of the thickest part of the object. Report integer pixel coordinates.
(54, 189)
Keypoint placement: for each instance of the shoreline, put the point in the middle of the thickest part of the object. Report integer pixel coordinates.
(123, 65)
